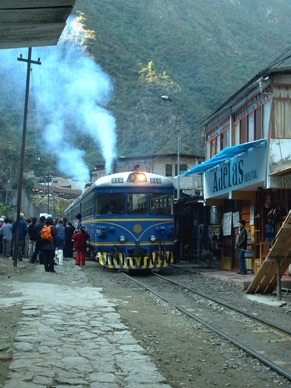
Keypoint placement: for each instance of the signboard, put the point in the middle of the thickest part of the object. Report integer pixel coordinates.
(244, 170)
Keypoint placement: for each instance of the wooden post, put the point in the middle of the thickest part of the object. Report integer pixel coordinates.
(279, 294)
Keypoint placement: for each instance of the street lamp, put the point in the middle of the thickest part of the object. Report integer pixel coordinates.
(167, 98)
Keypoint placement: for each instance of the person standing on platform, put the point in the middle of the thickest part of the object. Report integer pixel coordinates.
(61, 234)
(38, 248)
(79, 223)
(6, 231)
(32, 237)
(22, 231)
(80, 243)
(241, 246)
(69, 243)
(49, 245)
(1, 235)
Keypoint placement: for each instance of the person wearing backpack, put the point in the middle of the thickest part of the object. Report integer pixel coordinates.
(80, 242)
(49, 243)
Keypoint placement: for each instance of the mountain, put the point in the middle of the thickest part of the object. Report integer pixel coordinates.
(196, 52)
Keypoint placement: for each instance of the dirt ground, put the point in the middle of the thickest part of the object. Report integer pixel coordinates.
(185, 352)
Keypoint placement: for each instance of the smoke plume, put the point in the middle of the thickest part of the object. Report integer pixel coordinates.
(70, 91)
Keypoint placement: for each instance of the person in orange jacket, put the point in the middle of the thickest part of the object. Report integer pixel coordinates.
(80, 241)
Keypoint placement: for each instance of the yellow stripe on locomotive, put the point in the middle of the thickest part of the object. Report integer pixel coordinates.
(137, 263)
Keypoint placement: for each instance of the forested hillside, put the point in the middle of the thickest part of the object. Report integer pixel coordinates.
(197, 52)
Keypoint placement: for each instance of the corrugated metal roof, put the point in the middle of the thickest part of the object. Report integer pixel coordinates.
(32, 23)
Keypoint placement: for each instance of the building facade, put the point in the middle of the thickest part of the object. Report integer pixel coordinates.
(165, 165)
(247, 168)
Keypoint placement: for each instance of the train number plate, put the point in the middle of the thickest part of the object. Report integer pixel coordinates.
(117, 180)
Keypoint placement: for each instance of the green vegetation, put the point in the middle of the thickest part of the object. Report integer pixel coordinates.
(197, 52)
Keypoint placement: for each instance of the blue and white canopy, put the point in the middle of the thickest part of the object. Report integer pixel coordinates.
(223, 156)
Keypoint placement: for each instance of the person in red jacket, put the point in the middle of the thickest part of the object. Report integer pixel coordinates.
(80, 241)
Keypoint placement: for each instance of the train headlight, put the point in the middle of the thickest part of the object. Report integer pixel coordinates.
(153, 238)
(122, 239)
(137, 177)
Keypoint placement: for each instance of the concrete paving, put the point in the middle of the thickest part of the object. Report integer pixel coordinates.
(69, 334)
(230, 276)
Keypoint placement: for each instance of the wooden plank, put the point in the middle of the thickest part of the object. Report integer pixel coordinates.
(265, 280)
(35, 16)
(17, 16)
(31, 35)
(13, 4)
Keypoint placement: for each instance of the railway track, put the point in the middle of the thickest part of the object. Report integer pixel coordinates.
(262, 339)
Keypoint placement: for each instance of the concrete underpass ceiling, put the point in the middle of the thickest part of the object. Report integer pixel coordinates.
(32, 23)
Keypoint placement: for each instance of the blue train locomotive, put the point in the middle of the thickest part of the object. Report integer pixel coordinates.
(129, 217)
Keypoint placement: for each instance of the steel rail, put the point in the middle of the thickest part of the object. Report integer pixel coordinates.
(283, 329)
(240, 345)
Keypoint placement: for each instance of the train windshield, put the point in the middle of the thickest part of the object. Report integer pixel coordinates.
(110, 203)
(161, 204)
(137, 203)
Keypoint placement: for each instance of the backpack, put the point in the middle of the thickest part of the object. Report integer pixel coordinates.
(46, 233)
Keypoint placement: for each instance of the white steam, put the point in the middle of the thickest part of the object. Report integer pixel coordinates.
(70, 91)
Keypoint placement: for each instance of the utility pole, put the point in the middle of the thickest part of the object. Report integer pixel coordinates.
(178, 134)
(48, 193)
(29, 61)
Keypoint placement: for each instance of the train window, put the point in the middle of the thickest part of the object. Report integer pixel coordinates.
(87, 208)
(137, 203)
(161, 204)
(110, 203)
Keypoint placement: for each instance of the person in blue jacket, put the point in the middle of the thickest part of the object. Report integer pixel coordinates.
(22, 231)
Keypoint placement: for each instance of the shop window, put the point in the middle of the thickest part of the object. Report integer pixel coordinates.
(251, 125)
(236, 133)
(218, 144)
(226, 139)
(258, 128)
(168, 170)
(267, 108)
(207, 150)
(213, 147)
(282, 114)
(183, 168)
(243, 130)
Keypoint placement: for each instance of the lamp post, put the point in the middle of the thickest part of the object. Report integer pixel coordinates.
(167, 98)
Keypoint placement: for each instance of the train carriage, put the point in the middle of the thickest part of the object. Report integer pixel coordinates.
(129, 217)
